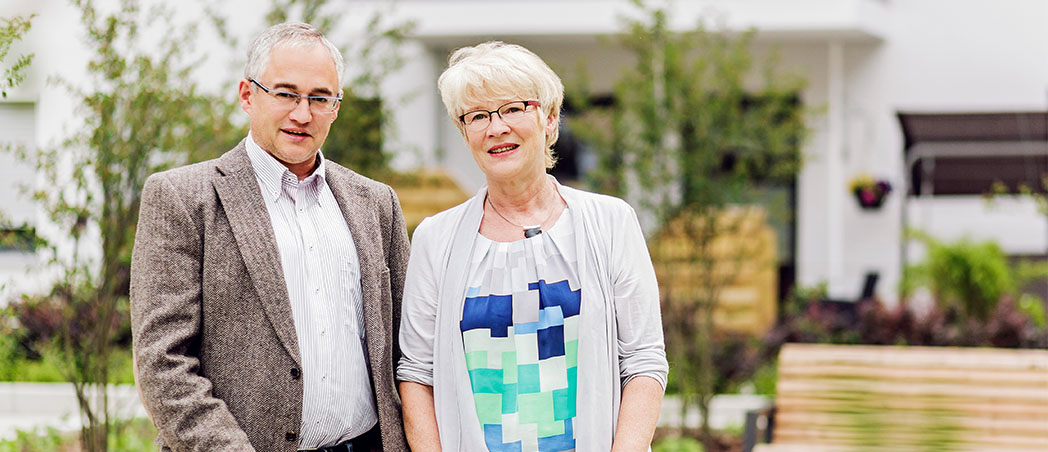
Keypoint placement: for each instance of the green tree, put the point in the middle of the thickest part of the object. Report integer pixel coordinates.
(12, 30)
(140, 112)
(692, 139)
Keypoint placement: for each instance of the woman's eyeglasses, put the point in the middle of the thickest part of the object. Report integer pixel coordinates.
(510, 112)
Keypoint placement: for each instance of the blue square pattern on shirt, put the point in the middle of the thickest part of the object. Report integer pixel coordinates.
(494, 312)
(555, 416)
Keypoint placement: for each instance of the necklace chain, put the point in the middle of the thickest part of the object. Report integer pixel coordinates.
(529, 231)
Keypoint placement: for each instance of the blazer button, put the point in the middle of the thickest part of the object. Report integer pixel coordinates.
(291, 436)
(295, 373)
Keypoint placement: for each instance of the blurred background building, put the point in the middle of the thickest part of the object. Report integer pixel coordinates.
(938, 98)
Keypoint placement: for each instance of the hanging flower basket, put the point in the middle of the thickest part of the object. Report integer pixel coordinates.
(869, 192)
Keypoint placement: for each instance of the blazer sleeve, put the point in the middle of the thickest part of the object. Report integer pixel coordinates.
(397, 261)
(638, 316)
(165, 319)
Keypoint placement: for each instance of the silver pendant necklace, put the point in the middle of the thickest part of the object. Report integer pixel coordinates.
(529, 231)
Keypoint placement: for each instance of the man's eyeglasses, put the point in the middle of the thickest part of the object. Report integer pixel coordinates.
(510, 112)
(319, 105)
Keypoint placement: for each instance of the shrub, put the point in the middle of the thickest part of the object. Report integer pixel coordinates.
(765, 378)
(876, 324)
(736, 358)
(34, 441)
(971, 275)
(16, 366)
(31, 325)
(678, 444)
(1033, 307)
(134, 435)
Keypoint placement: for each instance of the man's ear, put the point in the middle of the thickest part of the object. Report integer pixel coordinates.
(244, 93)
(334, 115)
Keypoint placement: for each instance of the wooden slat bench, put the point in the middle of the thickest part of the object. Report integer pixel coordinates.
(834, 398)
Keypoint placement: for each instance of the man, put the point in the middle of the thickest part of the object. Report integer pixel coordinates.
(266, 284)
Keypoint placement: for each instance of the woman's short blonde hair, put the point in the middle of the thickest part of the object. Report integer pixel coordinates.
(494, 69)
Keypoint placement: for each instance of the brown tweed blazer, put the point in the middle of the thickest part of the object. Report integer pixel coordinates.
(216, 355)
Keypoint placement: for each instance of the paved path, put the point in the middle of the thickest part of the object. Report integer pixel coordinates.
(726, 411)
(24, 406)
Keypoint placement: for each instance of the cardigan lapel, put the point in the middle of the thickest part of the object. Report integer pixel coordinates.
(248, 217)
(452, 287)
(597, 353)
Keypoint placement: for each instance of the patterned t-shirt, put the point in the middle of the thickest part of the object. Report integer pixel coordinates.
(520, 334)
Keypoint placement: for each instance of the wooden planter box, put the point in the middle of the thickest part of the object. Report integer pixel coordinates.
(741, 258)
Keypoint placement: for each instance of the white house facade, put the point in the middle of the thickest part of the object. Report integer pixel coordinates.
(866, 62)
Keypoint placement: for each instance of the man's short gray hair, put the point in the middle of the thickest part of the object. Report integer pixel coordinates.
(294, 34)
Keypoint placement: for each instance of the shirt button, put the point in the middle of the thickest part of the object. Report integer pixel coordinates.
(291, 436)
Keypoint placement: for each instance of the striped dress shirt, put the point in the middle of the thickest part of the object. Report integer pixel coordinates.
(322, 274)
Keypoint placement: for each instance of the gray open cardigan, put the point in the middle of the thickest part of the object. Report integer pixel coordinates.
(620, 331)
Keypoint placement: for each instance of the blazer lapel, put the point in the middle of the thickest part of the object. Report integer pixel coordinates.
(358, 209)
(248, 217)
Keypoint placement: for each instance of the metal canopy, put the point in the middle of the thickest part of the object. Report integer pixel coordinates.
(966, 153)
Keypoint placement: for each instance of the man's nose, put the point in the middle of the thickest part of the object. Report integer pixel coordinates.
(301, 113)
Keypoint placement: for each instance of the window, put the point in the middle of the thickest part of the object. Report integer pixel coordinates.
(17, 126)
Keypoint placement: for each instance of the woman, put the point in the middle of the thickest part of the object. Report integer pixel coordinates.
(531, 312)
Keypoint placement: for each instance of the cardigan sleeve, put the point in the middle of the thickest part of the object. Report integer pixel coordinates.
(638, 317)
(418, 318)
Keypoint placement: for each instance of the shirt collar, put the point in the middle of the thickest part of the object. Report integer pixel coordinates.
(270, 172)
